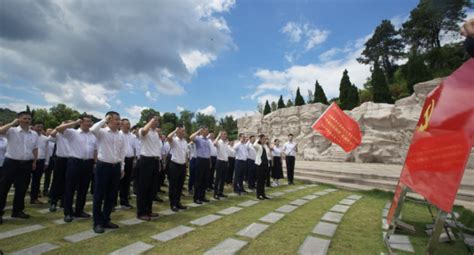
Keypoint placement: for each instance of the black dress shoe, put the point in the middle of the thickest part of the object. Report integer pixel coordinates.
(199, 202)
(98, 229)
(174, 208)
(260, 198)
(52, 208)
(68, 218)
(111, 225)
(205, 200)
(127, 206)
(182, 207)
(20, 215)
(82, 215)
(222, 195)
(158, 199)
(265, 197)
(217, 197)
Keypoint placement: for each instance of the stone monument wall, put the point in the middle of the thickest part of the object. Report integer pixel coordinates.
(387, 129)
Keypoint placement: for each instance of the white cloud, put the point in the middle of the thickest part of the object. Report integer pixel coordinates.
(195, 59)
(270, 97)
(311, 35)
(149, 95)
(180, 108)
(238, 113)
(209, 110)
(329, 54)
(133, 113)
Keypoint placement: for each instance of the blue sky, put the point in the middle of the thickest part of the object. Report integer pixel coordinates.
(218, 57)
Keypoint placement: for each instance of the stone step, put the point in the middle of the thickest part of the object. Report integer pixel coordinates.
(463, 194)
(358, 187)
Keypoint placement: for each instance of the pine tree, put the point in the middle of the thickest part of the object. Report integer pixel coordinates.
(299, 100)
(289, 103)
(267, 108)
(348, 93)
(319, 95)
(281, 104)
(274, 106)
(381, 93)
(415, 71)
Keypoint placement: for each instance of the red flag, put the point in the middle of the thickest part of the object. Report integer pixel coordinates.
(338, 127)
(442, 141)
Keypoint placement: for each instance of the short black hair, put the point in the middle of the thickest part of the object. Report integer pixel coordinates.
(23, 113)
(85, 115)
(112, 113)
(276, 140)
(39, 123)
(125, 119)
(241, 134)
(204, 127)
(290, 134)
(252, 136)
(260, 136)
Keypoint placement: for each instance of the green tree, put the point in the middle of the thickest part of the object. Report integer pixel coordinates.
(415, 71)
(206, 120)
(186, 119)
(48, 119)
(348, 93)
(230, 126)
(381, 93)
(319, 95)
(429, 19)
(274, 106)
(289, 103)
(384, 47)
(7, 115)
(281, 103)
(62, 113)
(299, 100)
(144, 116)
(267, 108)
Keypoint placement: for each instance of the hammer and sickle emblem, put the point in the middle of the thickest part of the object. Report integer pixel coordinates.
(427, 116)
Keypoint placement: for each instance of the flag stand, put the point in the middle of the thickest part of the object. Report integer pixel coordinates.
(395, 219)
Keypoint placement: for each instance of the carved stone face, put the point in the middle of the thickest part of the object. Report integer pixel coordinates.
(306, 125)
(293, 126)
(276, 129)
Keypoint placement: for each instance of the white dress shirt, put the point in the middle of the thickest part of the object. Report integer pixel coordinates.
(43, 147)
(82, 145)
(192, 151)
(213, 148)
(131, 143)
(151, 144)
(62, 145)
(290, 149)
(50, 151)
(252, 154)
(3, 149)
(230, 151)
(222, 149)
(178, 150)
(276, 151)
(110, 145)
(166, 149)
(241, 152)
(21, 143)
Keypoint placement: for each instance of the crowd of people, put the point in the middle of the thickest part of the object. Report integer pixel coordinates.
(111, 159)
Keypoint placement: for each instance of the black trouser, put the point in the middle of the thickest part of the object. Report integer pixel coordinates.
(78, 178)
(176, 176)
(212, 171)
(36, 179)
(268, 174)
(200, 183)
(125, 182)
(59, 176)
(251, 175)
(18, 173)
(221, 175)
(106, 183)
(290, 168)
(239, 171)
(163, 172)
(192, 173)
(47, 174)
(147, 177)
(230, 170)
(262, 171)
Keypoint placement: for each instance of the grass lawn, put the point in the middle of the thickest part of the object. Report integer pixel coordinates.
(359, 232)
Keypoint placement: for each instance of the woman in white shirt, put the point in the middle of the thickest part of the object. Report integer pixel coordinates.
(277, 170)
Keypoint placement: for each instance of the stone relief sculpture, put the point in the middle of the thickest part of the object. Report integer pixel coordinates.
(386, 129)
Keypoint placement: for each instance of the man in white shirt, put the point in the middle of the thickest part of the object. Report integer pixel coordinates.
(109, 169)
(60, 166)
(165, 159)
(48, 170)
(40, 164)
(80, 165)
(20, 160)
(290, 149)
(177, 167)
(251, 167)
(148, 168)
(131, 152)
(221, 165)
(192, 153)
(212, 170)
(230, 169)
(241, 155)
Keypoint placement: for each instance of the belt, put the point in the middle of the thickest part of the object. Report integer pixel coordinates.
(154, 158)
(21, 161)
(108, 164)
(79, 159)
